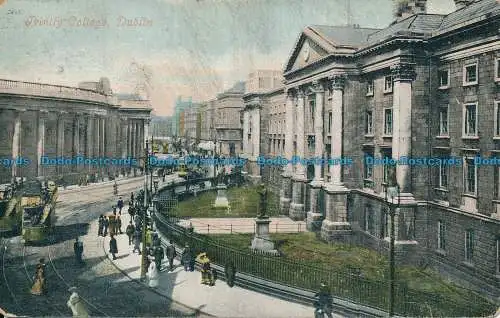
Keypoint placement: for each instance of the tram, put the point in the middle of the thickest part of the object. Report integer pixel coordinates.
(38, 203)
(10, 214)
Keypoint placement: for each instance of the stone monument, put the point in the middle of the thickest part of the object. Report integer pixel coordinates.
(261, 241)
(221, 200)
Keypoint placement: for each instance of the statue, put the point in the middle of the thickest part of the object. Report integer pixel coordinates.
(221, 176)
(263, 201)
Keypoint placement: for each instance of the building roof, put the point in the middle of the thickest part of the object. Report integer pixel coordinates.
(470, 12)
(238, 88)
(420, 24)
(353, 36)
(129, 97)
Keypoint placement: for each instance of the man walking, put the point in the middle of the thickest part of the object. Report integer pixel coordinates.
(188, 259)
(120, 205)
(113, 246)
(137, 241)
(105, 225)
(171, 254)
(78, 248)
(119, 224)
(130, 232)
(101, 225)
(159, 254)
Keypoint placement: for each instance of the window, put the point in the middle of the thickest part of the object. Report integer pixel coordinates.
(387, 167)
(443, 174)
(368, 123)
(498, 255)
(470, 74)
(496, 182)
(443, 121)
(470, 120)
(330, 118)
(369, 224)
(369, 88)
(469, 245)
(441, 244)
(388, 84)
(497, 69)
(368, 166)
(312, 108)
(444, 79)
(384, 231)
(470, 175)
(388, 121)
(311, 143)
(497, 119)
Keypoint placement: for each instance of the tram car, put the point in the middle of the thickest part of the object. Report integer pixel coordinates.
(38, 201)
(10, 214)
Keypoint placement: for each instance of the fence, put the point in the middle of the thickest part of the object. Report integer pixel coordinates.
(207, 228)
(347, 285)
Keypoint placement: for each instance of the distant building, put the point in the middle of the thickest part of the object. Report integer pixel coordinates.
(261, 81)
(180, 105)
(161, 126)
(190, 124)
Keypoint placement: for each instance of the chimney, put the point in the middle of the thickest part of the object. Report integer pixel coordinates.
(406, 8)
(459, 4)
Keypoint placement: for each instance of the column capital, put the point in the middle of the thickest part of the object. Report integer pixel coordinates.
(317, 86)
(337, 81)
(404, 71)
(301, 92)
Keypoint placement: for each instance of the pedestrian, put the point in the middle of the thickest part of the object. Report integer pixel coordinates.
(149, 237)
(130, 232)
(101, 225)
(113, 247)
(78, 248)
(131, 210)
(188, 259)
(205, 269)
(156, 239)
(171, 254)
(105, 225)
(119, 224)
(137, 241)
(39, 285)
(112, 225)
(159, 254)
(153, 275)
(120, 205)
(132, 196)
(76, 305)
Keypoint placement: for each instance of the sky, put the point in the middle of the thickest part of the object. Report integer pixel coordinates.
(166, 48)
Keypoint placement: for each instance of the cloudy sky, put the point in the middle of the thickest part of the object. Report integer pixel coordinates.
(176, 47)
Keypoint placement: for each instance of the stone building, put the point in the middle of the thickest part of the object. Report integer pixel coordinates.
(41, 120)
(227, 123)
(161, 126)
(261, 81)
(190, 125)
(427, 86)
(180, 105)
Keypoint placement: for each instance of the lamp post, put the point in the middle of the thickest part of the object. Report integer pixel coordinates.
(144, 211)
(392, 192)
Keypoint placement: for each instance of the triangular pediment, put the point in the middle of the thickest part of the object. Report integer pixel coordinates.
(309, 48)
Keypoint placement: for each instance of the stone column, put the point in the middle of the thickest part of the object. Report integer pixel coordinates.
(255, 176)
(314, 217)
(60, 140)
(286, 188)
(89, 140)
(403, 75)
(42, 115)
(335, 225)
(16, 143)
(299, 179)
(146, 133)
(245, 132)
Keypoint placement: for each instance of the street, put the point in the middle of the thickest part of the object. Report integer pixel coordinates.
(105, 290)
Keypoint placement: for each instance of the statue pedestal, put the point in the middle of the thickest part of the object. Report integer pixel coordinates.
(262, 242)
(221, 200)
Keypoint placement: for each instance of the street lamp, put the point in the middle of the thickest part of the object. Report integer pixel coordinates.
(144, 211)
(392, 198)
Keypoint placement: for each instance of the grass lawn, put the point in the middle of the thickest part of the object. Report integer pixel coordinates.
(244, 202)
(305, 248)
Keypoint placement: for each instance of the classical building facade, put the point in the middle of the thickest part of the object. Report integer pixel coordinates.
(181, 104)
(227, 123)
(41, 120)
(425, 87)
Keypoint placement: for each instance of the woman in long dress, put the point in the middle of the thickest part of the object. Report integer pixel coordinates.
(153, 275)
(38, 287)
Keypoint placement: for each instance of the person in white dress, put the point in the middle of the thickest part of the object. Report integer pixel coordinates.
(75, 303)
(153, 275)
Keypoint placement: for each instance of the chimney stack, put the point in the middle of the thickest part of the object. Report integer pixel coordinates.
(406, 8)
(459, 4)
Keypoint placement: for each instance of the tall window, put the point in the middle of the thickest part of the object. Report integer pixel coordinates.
(388, 84)
(387, 153)
(496, 182)
(369, 88)
(497, 69)
(441, 244)
(330, 118)
(368, 122)
(497, 119)
(470, 175)
(388, 121)
(369, 225)
(368, 166)
(444, 78)
(498, 255)
(470, 120)
(443, 174)
(384, 231)
(312, 108)
(469, 245)
(470, 74)
(443, 121)
(311, 143)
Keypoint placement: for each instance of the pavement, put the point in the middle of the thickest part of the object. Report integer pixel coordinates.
(119, 180)
(219, 300)
(242, 225)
